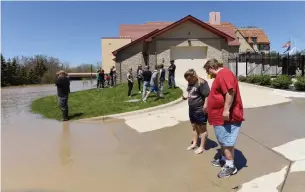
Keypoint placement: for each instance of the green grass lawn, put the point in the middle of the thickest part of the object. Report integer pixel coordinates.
(100, 102)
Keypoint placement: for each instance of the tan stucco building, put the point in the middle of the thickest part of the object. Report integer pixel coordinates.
(110, 44)
(186, 41)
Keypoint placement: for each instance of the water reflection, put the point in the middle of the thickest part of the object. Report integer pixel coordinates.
(65, 146)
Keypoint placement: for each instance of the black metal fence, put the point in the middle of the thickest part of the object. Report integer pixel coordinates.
(273, 64)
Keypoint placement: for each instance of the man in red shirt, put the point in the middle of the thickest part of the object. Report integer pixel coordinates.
(225, 114)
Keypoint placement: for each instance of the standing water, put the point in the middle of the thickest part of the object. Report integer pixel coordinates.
(46, 155)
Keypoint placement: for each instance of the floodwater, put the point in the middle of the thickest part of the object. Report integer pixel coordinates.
(15, 101)
(50, 156)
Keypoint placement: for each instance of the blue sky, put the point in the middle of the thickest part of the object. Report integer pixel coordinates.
(72, 31)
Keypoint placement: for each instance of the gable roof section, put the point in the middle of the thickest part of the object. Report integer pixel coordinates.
(135, 41)
(261, 36)
(229, 29)
(135, 31)
(196, 21)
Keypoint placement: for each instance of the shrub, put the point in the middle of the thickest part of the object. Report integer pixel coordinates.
(259, 79)
(281, 82)
(242, 78)
(264, 80)
(300, 84)
(253, 79)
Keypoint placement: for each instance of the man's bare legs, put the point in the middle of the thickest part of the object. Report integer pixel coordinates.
(229, 155)
(195, 138)
(203, 134)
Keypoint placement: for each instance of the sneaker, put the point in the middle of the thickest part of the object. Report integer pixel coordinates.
(227, 171)
(144, 100)
(218, 163)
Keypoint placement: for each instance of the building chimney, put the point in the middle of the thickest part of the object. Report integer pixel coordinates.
(217, 18)
(214, 18)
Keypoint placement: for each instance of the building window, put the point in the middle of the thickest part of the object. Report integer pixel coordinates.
(254, 39)
(263, 47)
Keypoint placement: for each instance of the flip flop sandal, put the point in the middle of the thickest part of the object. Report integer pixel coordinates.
(190, 148)
(199, 151)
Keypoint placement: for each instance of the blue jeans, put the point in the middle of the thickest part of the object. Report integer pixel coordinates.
(63, 105)
(171, 81)
(145, 86)
(161, 87)
(154, 88)
(227, 134)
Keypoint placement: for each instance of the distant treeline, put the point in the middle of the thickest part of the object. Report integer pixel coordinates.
(38, 69)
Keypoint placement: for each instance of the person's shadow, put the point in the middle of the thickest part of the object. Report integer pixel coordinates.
(240, 160)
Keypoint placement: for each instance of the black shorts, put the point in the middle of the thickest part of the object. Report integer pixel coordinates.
(197, 116)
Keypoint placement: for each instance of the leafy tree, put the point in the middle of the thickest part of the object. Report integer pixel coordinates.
(4, 76)
(23, 76)
(40, 68)
(32, 77)
(9, 71)
(14, 69)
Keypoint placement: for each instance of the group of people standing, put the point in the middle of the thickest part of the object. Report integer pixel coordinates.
(221, 106)
(151, 80)
(103, 79)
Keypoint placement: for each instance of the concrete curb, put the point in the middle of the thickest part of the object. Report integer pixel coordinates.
(280, 92)
(131, 113)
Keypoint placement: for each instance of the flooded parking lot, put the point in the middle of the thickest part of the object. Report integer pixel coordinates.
(15, 101)
(47, 155)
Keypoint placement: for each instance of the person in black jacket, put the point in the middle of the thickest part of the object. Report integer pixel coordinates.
(111, 77)
(63, 90)
(146, 79)
(102, 78)
(139, 77)
(171, 74)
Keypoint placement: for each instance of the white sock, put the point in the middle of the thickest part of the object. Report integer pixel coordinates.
(223, 158)
(230, 163)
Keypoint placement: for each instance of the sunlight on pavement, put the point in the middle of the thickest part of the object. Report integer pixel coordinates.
(266, 183)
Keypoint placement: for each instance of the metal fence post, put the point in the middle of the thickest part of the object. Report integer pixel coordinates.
(263, 63)
(246, 66)
(303, 64)
(278, 62)
(236, 59)
(287, 69)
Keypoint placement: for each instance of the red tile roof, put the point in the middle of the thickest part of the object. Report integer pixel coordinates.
(135, 41)
(199, 23)
(261, 36)
(229, 29)
(135, 31)
(225, 30)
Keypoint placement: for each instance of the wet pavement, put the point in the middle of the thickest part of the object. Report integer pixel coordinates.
(47, 155)
(112, 157)
(277, 124)
(293, 182)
